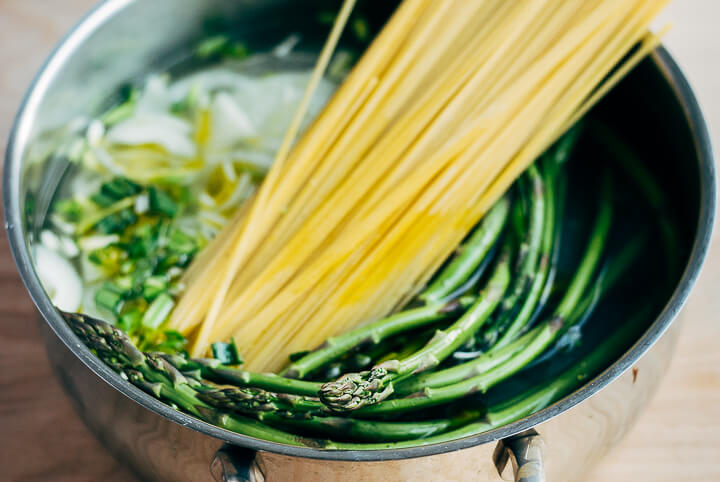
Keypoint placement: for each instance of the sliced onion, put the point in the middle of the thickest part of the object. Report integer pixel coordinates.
(59, 278)
(165, 130)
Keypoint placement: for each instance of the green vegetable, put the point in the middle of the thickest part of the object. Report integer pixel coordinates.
(221, 46)
(161, 203)
(109, 298)
(129, 322)
(120, 188)
(543, 336)
(153, 286)
(117, 222)
(375, 332)
(110, 257)
(69, 209)
(181, 243)
(123, 110)
(226, 353)
(470, 254)
(356, 390)
(158, 311)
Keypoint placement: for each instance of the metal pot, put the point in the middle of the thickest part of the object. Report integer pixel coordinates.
(121, 40)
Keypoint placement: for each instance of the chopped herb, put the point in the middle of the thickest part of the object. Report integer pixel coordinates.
(221, 46)
(69, 209)
(227, 353)
(158, 311)
(130, 321)
(144, 268)
(93, 218)
(174, 342)
(181, 243)
(109, 257)
(168, 341)
(161, 203)
(117, 222)
(142, 241)
(123, 110)
(123, 284)
(102, 200)
(153, 286)
(120, 188)
(109, 299)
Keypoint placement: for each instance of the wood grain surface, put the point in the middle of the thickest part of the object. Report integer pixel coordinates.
(41, 437)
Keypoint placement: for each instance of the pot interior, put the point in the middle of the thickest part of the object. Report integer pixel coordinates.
(125, 40)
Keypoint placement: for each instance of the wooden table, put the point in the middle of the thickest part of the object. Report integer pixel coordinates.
(41, 438)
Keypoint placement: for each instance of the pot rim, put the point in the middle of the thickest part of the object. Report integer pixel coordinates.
(20, 137)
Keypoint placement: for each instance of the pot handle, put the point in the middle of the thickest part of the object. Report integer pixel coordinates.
(524, 451)
(235, 464)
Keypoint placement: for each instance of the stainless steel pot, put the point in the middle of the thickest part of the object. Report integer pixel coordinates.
(121, 40)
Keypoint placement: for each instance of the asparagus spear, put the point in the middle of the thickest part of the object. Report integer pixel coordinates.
(461, 268)
(530, 248)
(470, 254)
(547, 333)
(464, 371)
(212, 369)
(154, 374)
(540, 279)
(356, 390)
(371, 431)
(110, 345)
(375, 332)
(543, 278)
(161, 379)
(252, 401)
(535, 398)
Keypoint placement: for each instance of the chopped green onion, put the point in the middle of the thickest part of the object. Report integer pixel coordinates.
(181, 243)
(221, 46)
(117, 222)
(109, 257)
(161, 203)
(102, 200)
(109, 299)
(120, 188)
(70, 210)
(142, 242)
(153, 286)
(130, 321)
(158, 311)
(95, 217)
(127, 266)
(174, 342)
(226, 353)
(123, 284)
(169, 341)
(123, 110)
(144, 268)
